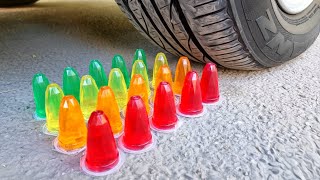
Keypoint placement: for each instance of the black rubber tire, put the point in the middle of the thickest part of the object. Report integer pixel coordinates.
(7, 3)
(238, 34)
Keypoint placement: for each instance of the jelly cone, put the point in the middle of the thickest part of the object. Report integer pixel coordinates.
(140, 55)
(163, 74)
(164, 115)
(119, 62)
(138, 87)
(191, 102)
(71, 82)
(140, 68)
(210, 84)
(54, 95)
(39, 86)
(88, 95)
(159, 61)
(72, 128)
(183, 67)
(118, 86)
(96, 70)
(108, 104)
(137, 136)
(102, 155)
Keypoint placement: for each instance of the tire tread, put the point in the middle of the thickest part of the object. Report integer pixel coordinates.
(203, 30)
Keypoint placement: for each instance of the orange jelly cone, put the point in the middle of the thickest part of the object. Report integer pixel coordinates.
(183, 67)
(163, 75)
(108, 104)
(138, 87)
(72, 128)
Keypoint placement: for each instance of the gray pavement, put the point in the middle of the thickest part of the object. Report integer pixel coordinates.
(266, 128)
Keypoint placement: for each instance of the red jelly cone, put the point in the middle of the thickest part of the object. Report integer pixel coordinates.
(210, 84)
(191, 101)
(102, 156)
(137, 137)
(164, 115)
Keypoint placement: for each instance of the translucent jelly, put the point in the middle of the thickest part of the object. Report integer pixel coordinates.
(39, 86)
(191, 101)
(140, 55)
(101, 153)
(159, 61)
(88, 95)
(164, 115)
(163, 74)
(137, 134)
(54, 95)
(138, 87)
(210, 84)
(183, 67)
(140, 68)
(72, 127)
(71, 82)
(108, 104)
(119, 62)
(96, 70)
(118, 85)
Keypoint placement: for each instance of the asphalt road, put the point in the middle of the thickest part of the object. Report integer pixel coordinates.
(266, 128)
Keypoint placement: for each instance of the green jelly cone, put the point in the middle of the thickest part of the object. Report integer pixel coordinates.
(119, 62)
(88, 96)
(139, 68)
(39, 86)
(118, 85)
(54, 95)
(71, 82)
(140, 55)
(159, 61)
(96, 70)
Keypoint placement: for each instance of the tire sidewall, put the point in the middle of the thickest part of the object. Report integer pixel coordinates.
(272, 36)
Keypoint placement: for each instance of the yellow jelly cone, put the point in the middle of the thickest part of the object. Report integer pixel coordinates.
(108, 104)
(88, 96)
(183, 67)
(72, 127)
(53, 99)
(160, 60)
(138, 87)
(118, 86)
(140, 68)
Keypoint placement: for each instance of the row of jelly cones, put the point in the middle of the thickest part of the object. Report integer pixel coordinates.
(71, 80)
(119, 81)
(191, 92)
(89, 92)
(102, 156)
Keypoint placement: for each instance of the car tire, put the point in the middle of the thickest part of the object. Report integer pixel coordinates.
(237, 34)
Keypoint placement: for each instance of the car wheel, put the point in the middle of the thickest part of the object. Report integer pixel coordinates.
(238, 34)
